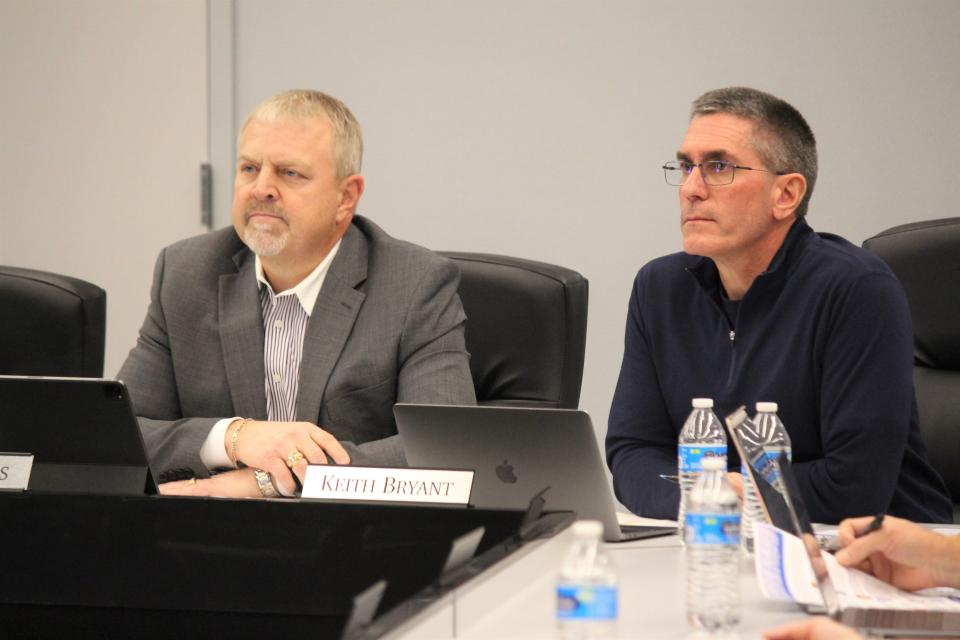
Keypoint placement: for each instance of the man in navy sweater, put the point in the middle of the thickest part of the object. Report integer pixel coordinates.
(759, 307)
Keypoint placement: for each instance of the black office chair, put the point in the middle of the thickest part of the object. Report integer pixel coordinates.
(526, 330)
(50, 325)
(925, 256)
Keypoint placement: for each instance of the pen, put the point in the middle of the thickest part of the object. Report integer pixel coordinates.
(830, 543)
(875, 524)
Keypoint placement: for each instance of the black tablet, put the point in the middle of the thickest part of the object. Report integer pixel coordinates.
(82, 433)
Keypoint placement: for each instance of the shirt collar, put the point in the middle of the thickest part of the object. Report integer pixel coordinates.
(308, 289)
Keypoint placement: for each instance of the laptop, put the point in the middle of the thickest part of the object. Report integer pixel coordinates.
(783, 504)
(516, 453)
(82, 433)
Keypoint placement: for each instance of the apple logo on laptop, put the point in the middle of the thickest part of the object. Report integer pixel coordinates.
(505, 472)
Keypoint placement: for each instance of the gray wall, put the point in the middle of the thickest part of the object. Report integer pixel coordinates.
(522, 127)
(103, 126)
(537, 128)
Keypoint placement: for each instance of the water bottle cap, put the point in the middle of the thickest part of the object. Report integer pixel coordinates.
(713, 463)
(587, 528)
(703, 403)
(767, 407)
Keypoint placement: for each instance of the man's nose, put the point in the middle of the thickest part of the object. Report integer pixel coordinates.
(265, 188)
(694, 186)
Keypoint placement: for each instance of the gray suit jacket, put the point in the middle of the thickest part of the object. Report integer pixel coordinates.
(387, 327)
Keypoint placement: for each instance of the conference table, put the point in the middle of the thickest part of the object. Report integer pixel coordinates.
(123, 566)
(515, 598)
(149, 566)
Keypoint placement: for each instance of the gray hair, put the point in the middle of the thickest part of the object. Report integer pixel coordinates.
(302, 104)
(784, 140)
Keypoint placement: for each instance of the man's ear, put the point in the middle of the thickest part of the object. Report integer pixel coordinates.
(788, 195)
(351, 188)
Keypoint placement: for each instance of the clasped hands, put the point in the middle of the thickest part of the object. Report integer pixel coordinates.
(281, 449)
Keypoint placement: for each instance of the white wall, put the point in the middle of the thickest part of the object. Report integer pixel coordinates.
(537, 127)
(102, 131)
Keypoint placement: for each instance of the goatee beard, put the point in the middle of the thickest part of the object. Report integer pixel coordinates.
(265, 239)
(264, 242)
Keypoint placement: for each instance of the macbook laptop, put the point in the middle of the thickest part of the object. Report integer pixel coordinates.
(82, 433)
(781, 499)
(516, 453)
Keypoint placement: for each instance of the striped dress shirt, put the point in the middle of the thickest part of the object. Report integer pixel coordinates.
(285, 317)
(284, 327)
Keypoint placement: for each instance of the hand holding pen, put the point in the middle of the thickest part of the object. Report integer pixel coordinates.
(833, 544)
(899, 552)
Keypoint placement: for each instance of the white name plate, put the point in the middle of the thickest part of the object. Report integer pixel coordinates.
(387, 484)
(15, 471)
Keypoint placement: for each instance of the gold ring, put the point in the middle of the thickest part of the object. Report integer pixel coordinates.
(192, 481)
(294, 458)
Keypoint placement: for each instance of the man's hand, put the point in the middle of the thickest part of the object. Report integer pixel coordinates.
(232, 484)
(900, 553)
(272, 446)
(818, 628)
(736, 481)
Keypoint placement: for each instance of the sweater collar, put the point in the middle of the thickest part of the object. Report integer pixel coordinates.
(786, 255)
(705, 270)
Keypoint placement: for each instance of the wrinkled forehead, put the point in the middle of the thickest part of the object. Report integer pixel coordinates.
(311, 128)
(719, 136)
(269, 123)
(287, 141)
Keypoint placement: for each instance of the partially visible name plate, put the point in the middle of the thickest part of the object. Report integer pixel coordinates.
(387, 484)
(15, 471)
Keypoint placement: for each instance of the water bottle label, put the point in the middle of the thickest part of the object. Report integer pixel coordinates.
(691, 455)
(713, 528)
(765, 467)
(586, 602)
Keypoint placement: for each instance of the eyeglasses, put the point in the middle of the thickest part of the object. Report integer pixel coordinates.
(714, 172)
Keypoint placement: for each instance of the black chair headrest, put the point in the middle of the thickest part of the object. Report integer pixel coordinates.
(526, 329)
(53, 325)
(925, 256)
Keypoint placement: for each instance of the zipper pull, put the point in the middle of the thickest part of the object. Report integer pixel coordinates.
(733, 335)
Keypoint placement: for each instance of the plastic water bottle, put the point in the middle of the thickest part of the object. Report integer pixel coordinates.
(713, 556)
(767, 431)
(587, 587)
(702, 437)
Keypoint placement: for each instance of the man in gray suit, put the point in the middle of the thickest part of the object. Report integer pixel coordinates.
(286, 340)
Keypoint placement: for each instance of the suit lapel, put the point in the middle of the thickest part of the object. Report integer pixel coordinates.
(330, 323)
(241, 337)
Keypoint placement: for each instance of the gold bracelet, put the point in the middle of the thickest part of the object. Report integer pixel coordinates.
(233, 442)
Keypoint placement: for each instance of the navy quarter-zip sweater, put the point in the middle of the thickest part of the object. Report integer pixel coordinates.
(825, 332)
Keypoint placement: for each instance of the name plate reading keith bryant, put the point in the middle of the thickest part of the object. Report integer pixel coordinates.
(387, 484)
